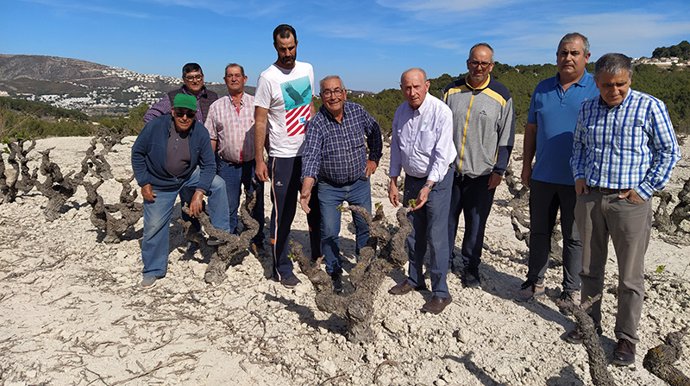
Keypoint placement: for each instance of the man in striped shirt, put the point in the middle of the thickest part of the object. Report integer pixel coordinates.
(230, 124)
(624, 149)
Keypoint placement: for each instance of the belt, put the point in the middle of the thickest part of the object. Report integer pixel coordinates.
(603, 190)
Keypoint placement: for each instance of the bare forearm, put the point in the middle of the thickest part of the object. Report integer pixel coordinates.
(529, 147)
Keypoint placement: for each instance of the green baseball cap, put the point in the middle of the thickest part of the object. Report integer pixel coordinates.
(184, 101)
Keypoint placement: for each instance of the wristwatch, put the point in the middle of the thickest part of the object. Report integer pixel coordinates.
(429, 185)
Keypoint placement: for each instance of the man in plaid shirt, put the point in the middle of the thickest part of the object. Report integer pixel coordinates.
(623, 151)
(335, 158)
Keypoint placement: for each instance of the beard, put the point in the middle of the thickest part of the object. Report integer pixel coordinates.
(288, 60)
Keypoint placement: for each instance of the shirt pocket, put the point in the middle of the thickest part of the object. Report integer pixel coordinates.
(426, 142)
(635, 137)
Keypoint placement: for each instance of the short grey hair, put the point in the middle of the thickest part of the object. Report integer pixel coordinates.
(234, 65)
(613, 63)
(482, 44)
(329, 77)
(413, 69)
(570, 37)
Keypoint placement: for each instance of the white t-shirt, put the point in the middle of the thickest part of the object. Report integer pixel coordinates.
(287, 95)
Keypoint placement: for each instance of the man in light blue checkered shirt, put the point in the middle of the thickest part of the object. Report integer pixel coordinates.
(623, 151)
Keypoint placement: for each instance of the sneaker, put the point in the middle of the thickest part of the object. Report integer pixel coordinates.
(566, 300)
(576, 336)
(470, 278)
(337, 280)
(148, 282)
(624, 354)
(529, 290)
(290, 282)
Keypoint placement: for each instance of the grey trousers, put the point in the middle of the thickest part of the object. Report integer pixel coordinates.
(629, 225)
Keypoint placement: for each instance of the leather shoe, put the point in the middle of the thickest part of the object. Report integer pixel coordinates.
(404, 287)
(436, 305)
(337, 280)
(624, 354)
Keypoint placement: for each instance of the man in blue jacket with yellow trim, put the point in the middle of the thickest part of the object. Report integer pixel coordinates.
(483, 133)
(172, 155)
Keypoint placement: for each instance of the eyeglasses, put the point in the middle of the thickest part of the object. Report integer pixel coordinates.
(234, 76)
(193, 77)
(181, 113)
(337, 92)
(476, 63)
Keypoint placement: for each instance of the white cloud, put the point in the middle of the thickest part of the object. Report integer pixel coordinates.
(89, 7)
(445, 6)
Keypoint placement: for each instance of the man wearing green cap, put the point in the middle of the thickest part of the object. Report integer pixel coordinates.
(172, 155)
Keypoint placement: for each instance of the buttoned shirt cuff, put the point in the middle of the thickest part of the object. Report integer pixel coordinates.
(578, 176)
(645, 191)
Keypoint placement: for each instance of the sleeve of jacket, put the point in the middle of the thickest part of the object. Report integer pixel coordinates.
(207, 161)
(159, 108)
(140, 151)
(506, 137)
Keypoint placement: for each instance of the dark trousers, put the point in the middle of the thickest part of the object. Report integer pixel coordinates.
(237, 176)
(285, 185)
(545, 200)
(429, 226)
(472, 197)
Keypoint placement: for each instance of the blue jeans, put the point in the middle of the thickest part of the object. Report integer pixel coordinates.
(157, 215)
(429, 225)
(236, 176)
(330, 197)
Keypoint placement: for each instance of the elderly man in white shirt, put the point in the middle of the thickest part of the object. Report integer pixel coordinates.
(422, 145)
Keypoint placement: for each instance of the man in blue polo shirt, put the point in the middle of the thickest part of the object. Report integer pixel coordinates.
(549, 135)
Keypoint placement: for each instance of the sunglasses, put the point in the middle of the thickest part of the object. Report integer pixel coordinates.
(181, 113)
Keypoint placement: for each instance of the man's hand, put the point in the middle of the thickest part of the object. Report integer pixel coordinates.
(147, 193)
(526, 174)
(305, 194)
(197, 203)
(393, 192)
(581, 187)
(371, 168)
(422, 197)
(261, 170)
(494, 180)
(632, 196)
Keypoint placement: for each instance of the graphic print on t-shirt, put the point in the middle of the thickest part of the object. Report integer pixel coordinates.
(297, 96)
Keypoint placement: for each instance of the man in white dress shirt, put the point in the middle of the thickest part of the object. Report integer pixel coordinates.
(422, 146)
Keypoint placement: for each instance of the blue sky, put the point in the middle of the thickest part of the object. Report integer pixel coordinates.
(368, 43)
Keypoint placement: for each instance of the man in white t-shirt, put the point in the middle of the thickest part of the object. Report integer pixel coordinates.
(283, 107)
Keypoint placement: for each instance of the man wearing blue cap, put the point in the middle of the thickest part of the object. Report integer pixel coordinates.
(172, 155)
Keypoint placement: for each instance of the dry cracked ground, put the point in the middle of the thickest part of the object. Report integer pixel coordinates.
(71, 311)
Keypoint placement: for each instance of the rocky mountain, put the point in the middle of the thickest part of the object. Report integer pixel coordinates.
(77, 84)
